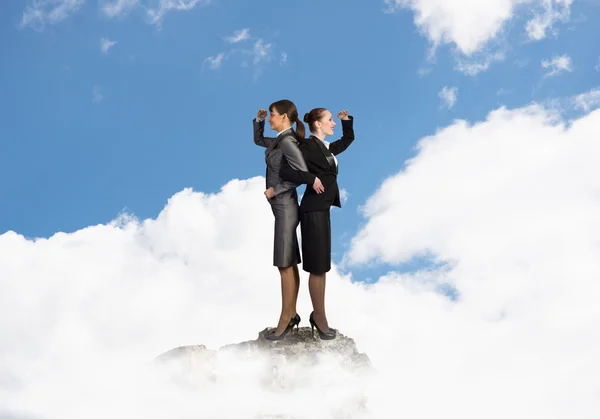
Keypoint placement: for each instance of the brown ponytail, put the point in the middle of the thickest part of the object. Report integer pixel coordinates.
(300, 130)
(287, 107)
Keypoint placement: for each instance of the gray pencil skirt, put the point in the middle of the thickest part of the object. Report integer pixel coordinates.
(285, 242)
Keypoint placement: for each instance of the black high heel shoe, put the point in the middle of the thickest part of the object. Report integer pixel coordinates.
(270, 335)
(323, 335)
(296, 320)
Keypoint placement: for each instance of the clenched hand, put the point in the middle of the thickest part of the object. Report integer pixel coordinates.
(343, 115)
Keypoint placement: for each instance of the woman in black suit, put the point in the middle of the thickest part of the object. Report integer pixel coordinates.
(284, 202)
(315, 207)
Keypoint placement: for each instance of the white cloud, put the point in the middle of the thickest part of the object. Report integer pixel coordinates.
(344, 195)
(261, 52)
(549, 12)
(471, 24)
(509, 208)
(91, 309)
(106, 44)
(598, 65)
(508, 204)
(118, 8)
(156, 15)
(448, 96)
(214, 62)
(557, 65)
(97, 95)
(81, 313)
(238, 36)
(505, 178)
(587, 101)
(474, 66)
(48, 12)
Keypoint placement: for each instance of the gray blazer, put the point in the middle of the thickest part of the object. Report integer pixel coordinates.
(284, 145)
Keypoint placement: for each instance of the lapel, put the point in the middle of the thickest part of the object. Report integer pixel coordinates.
(278, 139)
(327, 154)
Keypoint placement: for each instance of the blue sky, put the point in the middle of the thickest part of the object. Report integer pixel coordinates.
(88, 133)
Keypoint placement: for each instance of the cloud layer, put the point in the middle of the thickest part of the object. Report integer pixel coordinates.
(507, 207)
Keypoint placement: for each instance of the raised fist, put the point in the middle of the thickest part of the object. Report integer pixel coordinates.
(343, 114)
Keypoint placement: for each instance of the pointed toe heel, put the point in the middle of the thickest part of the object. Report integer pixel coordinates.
(270, 335)
(329, 335)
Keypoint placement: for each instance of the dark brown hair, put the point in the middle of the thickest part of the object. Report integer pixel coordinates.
(313, 116)
(287, 107)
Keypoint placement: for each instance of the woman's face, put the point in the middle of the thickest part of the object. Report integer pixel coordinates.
(326, 123)
(276, 120)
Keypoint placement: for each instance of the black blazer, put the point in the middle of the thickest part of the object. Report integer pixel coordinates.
(321, 164)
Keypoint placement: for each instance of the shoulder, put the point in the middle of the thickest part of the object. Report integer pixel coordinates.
(309, 142)
(288, 140)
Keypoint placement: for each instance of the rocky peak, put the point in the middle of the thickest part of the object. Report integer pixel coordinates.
(298, 364)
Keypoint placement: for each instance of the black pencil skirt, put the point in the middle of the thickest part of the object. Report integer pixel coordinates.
(315, 227)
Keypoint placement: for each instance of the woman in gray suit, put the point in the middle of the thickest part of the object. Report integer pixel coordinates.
(283, 198)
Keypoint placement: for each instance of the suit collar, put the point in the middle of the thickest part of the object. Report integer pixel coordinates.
(282, 134)
(284, 131)
(326, 153)
(318, 138)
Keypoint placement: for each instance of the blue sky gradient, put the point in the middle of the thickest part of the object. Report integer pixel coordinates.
(87, 135)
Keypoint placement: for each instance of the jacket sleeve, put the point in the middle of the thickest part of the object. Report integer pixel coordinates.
(259, 131)
(342, 144)
(293, 167)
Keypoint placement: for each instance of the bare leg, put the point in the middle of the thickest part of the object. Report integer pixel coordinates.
(288, 293)
(316, 287)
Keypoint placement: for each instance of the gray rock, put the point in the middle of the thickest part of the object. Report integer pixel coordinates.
(298, 363)
(298, 346)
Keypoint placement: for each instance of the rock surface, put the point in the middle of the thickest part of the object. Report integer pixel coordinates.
(296, 346)
(299, 364)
